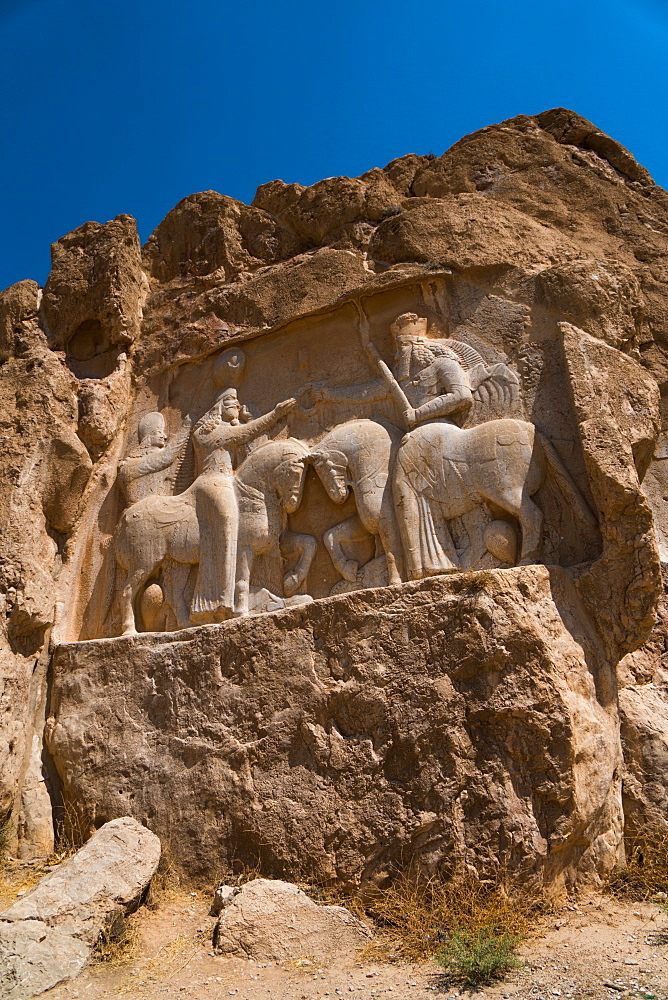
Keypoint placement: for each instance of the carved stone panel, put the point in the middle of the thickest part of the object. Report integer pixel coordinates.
(386, 441)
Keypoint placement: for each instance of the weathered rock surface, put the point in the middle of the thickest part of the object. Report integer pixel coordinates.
(45, 469)
(34, 957)
(209, 232)
(47, 936)
(643, 712)
(538, 241)
(275, 921)
(19, 329)
(92, 302)
(111, 870)
(336, 740)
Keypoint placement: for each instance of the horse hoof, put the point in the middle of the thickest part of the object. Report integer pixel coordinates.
(350, 571)
(201, 618)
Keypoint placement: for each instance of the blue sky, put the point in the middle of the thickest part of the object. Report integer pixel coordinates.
(129, 105)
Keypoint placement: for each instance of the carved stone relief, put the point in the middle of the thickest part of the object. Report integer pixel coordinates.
(391, 452)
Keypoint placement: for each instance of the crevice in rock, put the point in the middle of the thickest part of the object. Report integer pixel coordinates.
(53, 781)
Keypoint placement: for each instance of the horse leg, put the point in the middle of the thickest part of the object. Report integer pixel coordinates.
(389, 536)
(350, 530)
(242, 585)
(408, 519)
(134, 581)
(376, 512)
(175, 585)
(304, 547)
(522, 507)
(391, 540)
(531, 522)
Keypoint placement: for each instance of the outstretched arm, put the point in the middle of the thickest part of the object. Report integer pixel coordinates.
(156, 460)
(243, 433)
(364, 392)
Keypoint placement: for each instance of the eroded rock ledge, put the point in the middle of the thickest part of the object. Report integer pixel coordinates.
(467, 717)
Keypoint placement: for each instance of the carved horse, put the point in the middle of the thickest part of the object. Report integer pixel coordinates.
(162, 530)
(442, 472)
(358, 456)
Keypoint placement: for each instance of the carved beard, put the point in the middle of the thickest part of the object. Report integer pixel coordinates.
(404, 355)
(412, 358)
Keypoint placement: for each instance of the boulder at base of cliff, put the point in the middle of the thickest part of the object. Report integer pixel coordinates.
(275, 921)
(47, 936)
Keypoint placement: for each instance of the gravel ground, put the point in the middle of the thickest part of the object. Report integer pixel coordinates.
(594, 947)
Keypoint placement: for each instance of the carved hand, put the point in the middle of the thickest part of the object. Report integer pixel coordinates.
(410, 416)
(285, 407)
(310, 396)
(319, 392)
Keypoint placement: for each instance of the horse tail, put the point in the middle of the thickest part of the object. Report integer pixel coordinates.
(562, 478)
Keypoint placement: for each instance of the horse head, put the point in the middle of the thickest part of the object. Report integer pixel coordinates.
(290, 474)
(331, 466)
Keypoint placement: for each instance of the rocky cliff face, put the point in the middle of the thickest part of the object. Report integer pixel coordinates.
(475, 714)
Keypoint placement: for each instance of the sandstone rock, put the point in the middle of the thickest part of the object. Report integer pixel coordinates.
(574, 130)
(47, 935)
(45, 470)
(222, 897)
(302, 286)
(110, 872)
(536, 248)
(628, 574)
(338, 210)
(655, 488)
(466, 231)
(102, 404)
(208, 232)
(355, 733)
(643, 711)
(275, 921)
(93, 299)
(35, 957)
(36, 826)
(401, 172)
(608, 293)
(19, 328)
(276, 196)
(92, 307)
(537, 166)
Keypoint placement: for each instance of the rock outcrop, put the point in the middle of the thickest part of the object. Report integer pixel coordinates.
(334, 740)
(274, 921)
(210, 426)
(45, 470)
(47, 936)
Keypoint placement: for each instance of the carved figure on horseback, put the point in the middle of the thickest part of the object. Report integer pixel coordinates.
(164, 531)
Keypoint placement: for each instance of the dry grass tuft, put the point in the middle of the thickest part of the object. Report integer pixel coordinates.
(240, 876)
(5, 837)
(416, 915)
(16, 879)
(71, 833)
(165, 884)
(119, 940)
(646, 871)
